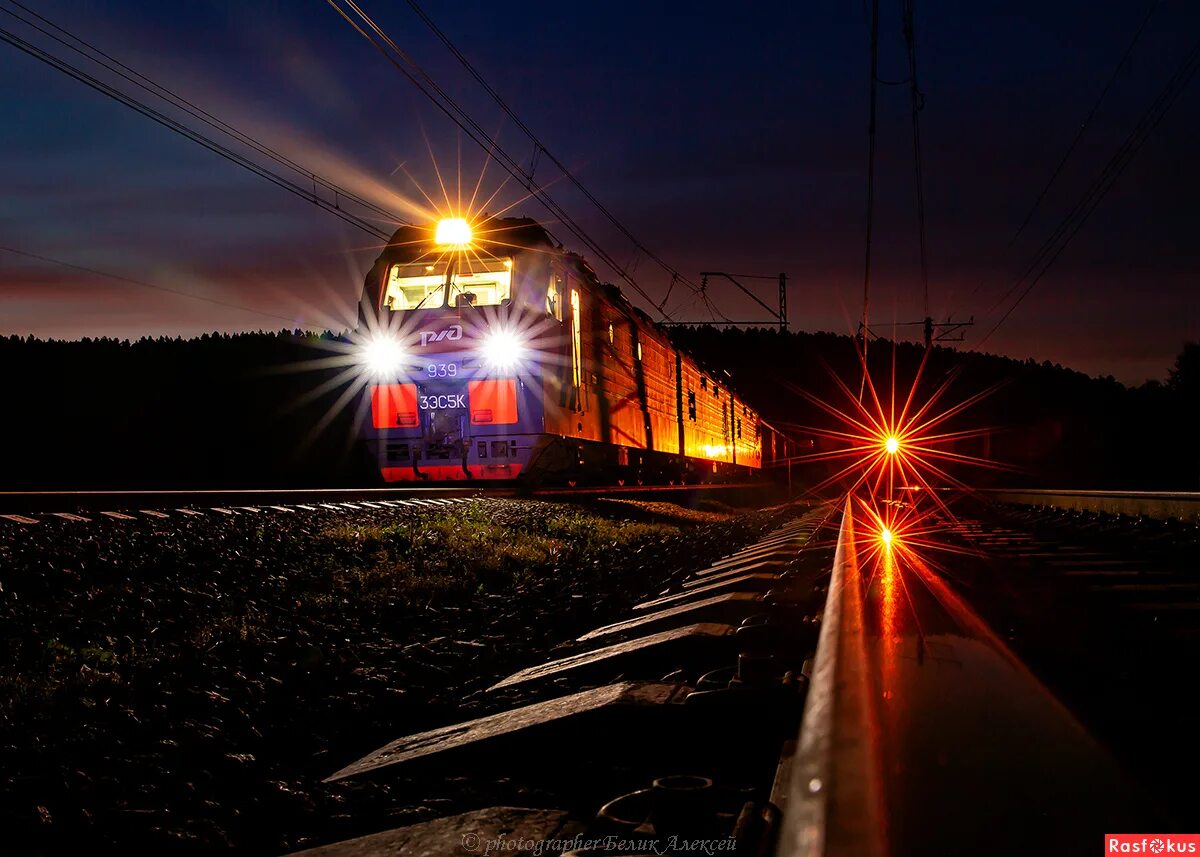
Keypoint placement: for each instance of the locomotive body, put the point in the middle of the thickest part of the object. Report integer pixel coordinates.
(495, 354)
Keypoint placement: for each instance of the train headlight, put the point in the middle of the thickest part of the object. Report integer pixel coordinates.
(502, 349)
(453, 232)
(383, 355)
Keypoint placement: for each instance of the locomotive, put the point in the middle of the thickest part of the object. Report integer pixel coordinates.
(495, 354)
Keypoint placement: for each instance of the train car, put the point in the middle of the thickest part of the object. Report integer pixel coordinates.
(494, 354)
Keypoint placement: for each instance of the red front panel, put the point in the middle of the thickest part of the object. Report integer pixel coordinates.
(451, 472)
(493, 402)
(394, 406)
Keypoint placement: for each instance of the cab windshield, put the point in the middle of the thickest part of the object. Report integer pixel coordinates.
(478, 282)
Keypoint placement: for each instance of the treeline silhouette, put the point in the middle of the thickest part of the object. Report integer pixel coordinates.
(221, 410)
(262, 410)
(1049, 426)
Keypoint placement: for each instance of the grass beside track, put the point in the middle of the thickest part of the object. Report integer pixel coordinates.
(468, 552)
(184, 685)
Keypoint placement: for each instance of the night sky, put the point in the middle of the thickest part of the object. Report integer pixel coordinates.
(726, 136)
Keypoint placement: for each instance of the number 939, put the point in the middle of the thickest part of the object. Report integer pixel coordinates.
(442, 370)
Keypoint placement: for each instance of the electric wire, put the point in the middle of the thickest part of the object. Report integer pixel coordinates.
(1062, 163)
(1079, 214)
(95, 54)
(477, 134)
(917, 99)
(190, 133)
(1087, 120)
(539, 147)
(865, 327)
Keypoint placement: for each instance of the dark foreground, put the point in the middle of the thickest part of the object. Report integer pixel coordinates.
(186, 683)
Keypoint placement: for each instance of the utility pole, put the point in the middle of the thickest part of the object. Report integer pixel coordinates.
(935, 331)
(783, 316)
(780, 315)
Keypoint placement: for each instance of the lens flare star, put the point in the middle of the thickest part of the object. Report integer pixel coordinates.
(896, 440)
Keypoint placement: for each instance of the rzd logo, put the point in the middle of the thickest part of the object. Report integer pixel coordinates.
(452, 332)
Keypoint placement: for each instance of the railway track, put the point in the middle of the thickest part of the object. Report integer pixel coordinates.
(1161, 505)
(806, 697)
(1112, 623)
(187, 674)
(810, 695)
(26, 507)
(660, 731)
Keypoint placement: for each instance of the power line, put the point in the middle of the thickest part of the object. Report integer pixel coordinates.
(1137, 35)
(144, 284)
(918, 103)
(116, 66)
(1062, 163)
(866, 326)
(192, 134)
(457, 114)
(539, 146)
(1075, 219)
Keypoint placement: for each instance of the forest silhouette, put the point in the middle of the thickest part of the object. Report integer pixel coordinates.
(238, 410)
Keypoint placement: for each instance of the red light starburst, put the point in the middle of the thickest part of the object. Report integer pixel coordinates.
(898, 439)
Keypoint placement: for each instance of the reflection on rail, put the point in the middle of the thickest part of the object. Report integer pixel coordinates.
(922, 730)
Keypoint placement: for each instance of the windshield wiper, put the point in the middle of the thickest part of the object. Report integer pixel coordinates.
(428, 295)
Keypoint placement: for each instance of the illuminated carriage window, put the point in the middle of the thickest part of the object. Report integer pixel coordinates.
(553, 301)
(639, 350)
(576, 342)
(489, 282)
(692, 405)
(612, 335)
(410, 286)
(703, 383)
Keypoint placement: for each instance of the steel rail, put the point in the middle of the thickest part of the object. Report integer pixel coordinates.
(1163, 505)
(75, 501)
(924, 734)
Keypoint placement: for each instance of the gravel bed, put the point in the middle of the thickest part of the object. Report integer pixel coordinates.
(184, 684)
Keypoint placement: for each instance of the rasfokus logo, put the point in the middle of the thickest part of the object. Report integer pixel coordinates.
(1152, 843)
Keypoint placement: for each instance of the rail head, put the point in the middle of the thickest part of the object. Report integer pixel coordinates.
(1161, 505)
(921, 728)
(831, 803)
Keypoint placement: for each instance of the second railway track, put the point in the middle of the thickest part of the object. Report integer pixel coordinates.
(26, 505)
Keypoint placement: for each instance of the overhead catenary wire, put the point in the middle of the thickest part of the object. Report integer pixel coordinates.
(1074, 144)
(195, 136)
(917, 104)
(1087, 120)
(1079, 214)
(873, 97)
(428, 87)
(540, 148)
(91, 52)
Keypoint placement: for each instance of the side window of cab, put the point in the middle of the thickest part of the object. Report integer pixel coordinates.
(554, 303)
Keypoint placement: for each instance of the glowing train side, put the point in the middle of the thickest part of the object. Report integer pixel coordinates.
(495, 354)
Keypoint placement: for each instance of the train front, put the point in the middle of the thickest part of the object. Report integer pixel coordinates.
(454, 321)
